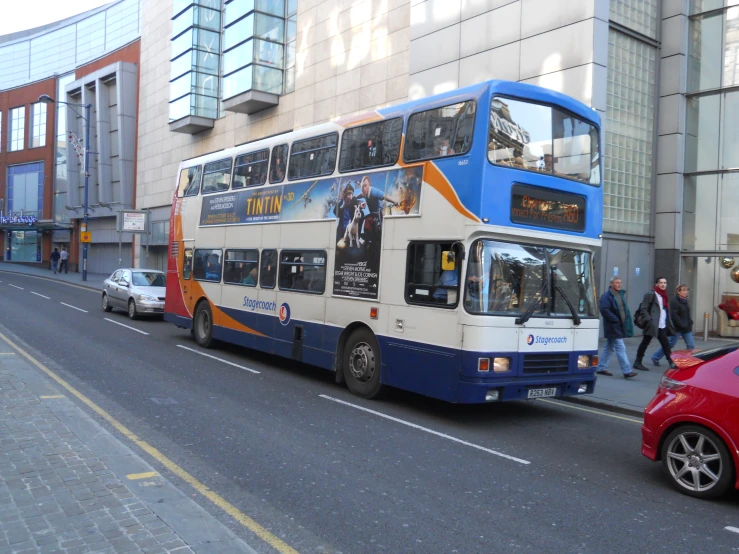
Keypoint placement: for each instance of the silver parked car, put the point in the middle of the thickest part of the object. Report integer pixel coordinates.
(138, 291)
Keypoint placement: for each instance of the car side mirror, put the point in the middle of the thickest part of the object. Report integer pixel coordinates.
(123, 283)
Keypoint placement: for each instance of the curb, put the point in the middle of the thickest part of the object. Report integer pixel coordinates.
(603, 406)
(85, 286)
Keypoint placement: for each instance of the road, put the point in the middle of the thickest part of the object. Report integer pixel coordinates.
(328, 472)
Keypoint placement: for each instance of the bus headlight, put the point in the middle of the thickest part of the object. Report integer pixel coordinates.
(501, 365)
(583, 361)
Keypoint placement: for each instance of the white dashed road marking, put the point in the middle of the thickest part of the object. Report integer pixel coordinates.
(219, 359)
(41, 295)
(426, 430)
(732, 529)
(127, 326)
(73, 307)
(15, 286)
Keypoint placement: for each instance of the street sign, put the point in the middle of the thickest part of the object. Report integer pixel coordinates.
(86, 236)
(133, 222)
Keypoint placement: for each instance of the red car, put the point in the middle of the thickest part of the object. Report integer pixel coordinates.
(692, 424)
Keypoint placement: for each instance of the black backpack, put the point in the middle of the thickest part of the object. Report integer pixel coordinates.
(639, 319)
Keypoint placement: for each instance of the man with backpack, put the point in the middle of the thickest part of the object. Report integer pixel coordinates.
(616, 327)
(654, 317)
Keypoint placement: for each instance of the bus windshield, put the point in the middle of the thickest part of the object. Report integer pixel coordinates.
(511, 279)
(540, 138)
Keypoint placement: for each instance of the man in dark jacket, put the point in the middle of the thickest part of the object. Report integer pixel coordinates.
(680, 310)
(617, 325)
(655, 311)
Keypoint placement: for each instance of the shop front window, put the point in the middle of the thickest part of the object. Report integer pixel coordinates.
(24, 246)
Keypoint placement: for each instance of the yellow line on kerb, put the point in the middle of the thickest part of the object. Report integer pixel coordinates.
(275, 542)
(598, 412)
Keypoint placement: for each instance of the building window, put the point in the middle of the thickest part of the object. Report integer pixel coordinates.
(638, 15)
(195, 60)
(303, 271)
(17, 128)
(313, 157)
(1, 131)
(440, 132)
(259, 41)
(26, 189)
(629, 135)
(38, 125)
(714, 50)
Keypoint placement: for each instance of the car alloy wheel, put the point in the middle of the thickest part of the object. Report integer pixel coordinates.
(697, 461)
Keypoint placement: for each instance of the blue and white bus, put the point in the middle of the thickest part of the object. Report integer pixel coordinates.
(442, 246)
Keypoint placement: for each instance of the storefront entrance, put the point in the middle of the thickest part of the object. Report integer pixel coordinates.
(23, 246)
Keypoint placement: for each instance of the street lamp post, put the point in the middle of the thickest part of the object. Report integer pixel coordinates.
(46, 99)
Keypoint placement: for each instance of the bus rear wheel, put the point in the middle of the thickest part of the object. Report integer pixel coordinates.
(203, 325)
(362, 364)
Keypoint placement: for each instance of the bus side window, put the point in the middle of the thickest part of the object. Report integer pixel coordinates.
(187, 264)
(189, 184)
(269, 269)
(440, 132)
(303, 271)
(207, 265)
(426, 282)
(278, 164)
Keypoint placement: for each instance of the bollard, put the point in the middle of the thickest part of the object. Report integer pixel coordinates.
(705, 326)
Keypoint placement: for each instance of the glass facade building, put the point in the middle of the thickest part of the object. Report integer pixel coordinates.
(62, 49)
(222, 50)
(710, 226)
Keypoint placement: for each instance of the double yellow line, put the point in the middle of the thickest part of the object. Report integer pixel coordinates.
(272, 540)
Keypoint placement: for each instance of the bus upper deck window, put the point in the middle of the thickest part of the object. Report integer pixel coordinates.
(217, 176)
(278, 164)
(440, 132)
(189, 184)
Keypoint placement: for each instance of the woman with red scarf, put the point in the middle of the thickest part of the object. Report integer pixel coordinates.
(655, 310)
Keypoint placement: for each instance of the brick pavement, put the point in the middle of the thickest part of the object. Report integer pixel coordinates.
(57, 494)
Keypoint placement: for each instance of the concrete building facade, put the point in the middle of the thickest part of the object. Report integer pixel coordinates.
(215, 74)
(91, 58)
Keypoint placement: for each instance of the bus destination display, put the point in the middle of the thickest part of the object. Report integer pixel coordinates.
(547, 208)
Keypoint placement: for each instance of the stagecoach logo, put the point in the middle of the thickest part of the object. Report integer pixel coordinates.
(544, 341)
(285, 313)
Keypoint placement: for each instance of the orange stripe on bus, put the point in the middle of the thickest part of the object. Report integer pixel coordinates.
(436, 179)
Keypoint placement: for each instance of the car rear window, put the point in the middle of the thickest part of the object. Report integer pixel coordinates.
(149, 279)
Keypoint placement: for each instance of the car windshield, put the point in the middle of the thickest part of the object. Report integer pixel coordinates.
(149, 279)
(509, 279)
(544, 139)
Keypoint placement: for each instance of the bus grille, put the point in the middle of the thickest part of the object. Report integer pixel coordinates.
(546, 363)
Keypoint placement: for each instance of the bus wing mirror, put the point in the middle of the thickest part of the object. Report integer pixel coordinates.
(448, 261)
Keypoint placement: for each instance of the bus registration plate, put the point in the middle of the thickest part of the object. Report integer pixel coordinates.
(542, 393)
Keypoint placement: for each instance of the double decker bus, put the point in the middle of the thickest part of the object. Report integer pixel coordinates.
(443, 246)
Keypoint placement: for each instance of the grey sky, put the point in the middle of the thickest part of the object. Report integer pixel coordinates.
(27, 14)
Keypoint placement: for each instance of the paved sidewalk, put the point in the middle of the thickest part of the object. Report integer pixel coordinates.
(634, 394)
(94, 280)
(68, 485)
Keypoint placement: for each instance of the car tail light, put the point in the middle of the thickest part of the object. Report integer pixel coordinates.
(671, 384)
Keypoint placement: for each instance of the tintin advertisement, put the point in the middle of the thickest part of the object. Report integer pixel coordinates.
(362, 203)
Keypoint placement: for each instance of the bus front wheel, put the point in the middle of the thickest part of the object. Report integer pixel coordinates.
(203, 325)
(361, 364)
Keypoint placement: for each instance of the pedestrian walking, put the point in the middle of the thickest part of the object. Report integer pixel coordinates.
(617, 326)
(55, 259)
(680, 310)
(64, 256)
(655, 318)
